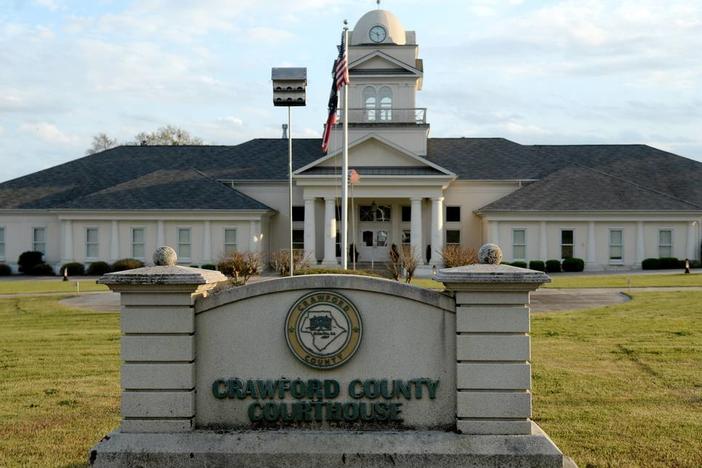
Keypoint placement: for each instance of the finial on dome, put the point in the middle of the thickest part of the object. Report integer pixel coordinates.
(378, 2)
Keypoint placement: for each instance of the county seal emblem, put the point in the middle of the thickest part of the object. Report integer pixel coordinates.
(323, 329)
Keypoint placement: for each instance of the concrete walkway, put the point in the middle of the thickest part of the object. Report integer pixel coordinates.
(542, 300)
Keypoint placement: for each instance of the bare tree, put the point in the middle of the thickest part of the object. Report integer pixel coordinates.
(101, 142)
(168, 135)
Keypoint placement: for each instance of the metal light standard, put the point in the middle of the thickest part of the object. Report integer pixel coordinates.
(289, 90)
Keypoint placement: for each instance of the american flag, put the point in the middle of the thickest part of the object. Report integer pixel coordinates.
(341, 78)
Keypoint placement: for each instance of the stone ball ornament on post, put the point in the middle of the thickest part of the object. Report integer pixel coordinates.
(490, 254)
(165, 256)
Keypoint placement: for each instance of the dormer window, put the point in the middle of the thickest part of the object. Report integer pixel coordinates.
(377, 103)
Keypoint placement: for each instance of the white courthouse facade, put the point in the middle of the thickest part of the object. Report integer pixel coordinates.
(611, 205)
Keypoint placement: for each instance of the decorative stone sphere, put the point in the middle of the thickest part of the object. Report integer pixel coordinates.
(165, 256)
(490, 254)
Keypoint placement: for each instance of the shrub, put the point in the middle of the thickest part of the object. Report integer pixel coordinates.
(408, 256)
(194, 266)
(127, 264)
(519, 264)
(395, 265)
(651, 264)
(73, 268)
(537, 265)
(456, 255)
(280, 261)
(209, 266)
(240, 266)
(5, 269)
(696, 264)
(573, 264)
(98, 268)
(42, 269)
(553, 266)
(331, 271)
(670, 263)
(27, 260)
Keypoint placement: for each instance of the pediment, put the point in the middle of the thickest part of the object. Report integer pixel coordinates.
(375, 151)
(381, 61)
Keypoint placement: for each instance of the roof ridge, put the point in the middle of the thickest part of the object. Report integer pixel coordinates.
(229, 187)
(630, 182)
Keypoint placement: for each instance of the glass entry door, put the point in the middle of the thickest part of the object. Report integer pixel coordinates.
(373, 244)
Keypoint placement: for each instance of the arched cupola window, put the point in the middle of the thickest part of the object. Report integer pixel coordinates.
(370, 102)
(385, 101)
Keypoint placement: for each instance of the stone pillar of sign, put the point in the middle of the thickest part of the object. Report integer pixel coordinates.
(493, 373)
(158, 342)
(437, 231)
(416, 229)
(329, 232)
(310, 239)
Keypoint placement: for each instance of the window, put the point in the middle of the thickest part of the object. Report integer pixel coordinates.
(453, 214)
(616, 246)
(2, 243)
(665, 243)
(385, 98)
(184, 246)
(406, 236)
(39, 239)
(92, 248)
(229, 241)
(381, 239)
(453, 237)
(298, 213)
(567, 243)
(298, 239)
(367, 238)
(138, 243)
(375, 213)
(369, 102)
(406, 214)
(519, 244)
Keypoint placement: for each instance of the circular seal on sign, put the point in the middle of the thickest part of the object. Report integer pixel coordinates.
(323, 329)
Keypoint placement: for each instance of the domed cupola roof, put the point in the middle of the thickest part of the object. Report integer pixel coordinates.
(378, 27)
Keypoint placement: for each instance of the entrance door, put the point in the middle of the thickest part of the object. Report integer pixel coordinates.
(373, 244)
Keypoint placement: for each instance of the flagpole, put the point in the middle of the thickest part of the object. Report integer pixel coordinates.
(345, 170)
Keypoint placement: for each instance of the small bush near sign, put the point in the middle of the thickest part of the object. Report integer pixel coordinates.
(73, 269)
(28, 260)
(519, 264)
(455, 255)
(537, 265)
(240, 266)
(42, 269)
(5, 270)
(553, 266)
(98, 268)
(573, 264)
(127, 264)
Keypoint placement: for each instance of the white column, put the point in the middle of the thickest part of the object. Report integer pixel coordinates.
(329, 232)
(207, 243)
(67, 234)
(255, 237)
(494, 232)
(416, 229)
(160, 235)
(114, 242)
(591, 243)
(640, 249)
(437, 230)
(310, 251)
(543, 244)
(691, 244)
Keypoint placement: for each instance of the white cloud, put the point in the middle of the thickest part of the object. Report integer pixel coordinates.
(47, 132)
(52, 5)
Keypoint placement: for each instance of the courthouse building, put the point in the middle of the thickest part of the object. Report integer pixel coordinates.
(611, 205)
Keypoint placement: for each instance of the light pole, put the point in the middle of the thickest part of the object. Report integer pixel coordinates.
(289, 90)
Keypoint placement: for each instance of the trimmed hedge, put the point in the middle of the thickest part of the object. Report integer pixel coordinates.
(27, 261)
(553, 266)
(670, 263)
(74, 269)
(573, 264)
(42, 269)
(98, 268)
(5, 269)
(651, 264)
(127, 264)
(537, 265)
(519, 264)
(209, 266)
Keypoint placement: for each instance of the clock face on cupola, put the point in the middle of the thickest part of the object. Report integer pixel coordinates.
(377, 33)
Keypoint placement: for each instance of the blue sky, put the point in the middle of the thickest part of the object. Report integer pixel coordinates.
(532, 71)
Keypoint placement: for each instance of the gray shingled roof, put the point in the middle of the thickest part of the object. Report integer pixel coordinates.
(580, 188)
(167, 189)
(91, 182)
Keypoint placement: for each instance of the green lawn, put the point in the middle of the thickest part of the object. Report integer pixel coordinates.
(616, 386)
(56, 285)
(623, 281)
